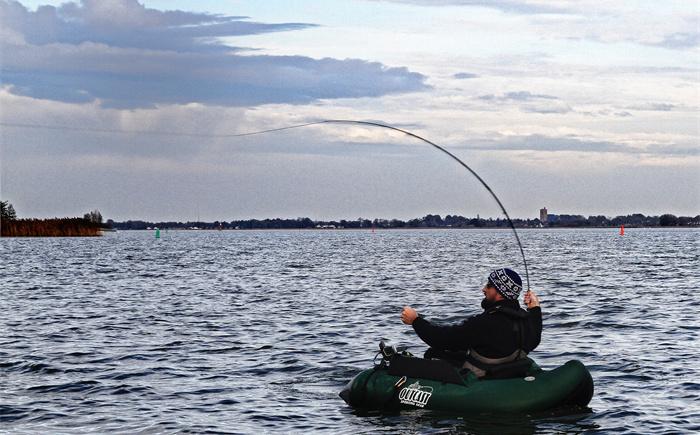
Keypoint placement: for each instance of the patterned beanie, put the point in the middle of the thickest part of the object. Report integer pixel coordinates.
(507, 283)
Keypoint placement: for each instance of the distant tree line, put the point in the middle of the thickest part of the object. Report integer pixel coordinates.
(428, 221)
(91, 224)
(632, 220)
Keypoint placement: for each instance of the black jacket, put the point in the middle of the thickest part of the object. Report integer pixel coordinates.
(490, 333)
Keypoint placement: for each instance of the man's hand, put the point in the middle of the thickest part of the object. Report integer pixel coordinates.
(408, 315)
(531, 299)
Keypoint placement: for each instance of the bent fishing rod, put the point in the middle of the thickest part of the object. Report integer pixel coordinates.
(307, 124)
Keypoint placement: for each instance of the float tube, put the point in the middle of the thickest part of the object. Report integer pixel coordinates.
(401, 381)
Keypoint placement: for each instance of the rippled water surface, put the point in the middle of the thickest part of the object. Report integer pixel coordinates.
(257, 331)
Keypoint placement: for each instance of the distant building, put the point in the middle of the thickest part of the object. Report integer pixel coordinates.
(543, 215)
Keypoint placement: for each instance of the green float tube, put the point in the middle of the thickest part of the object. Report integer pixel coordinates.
(401, 381)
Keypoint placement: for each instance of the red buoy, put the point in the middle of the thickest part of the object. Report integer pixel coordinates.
(622, 230)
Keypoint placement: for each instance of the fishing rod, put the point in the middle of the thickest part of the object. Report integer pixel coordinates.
(295, 126)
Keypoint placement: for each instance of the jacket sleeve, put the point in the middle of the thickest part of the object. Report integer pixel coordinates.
(535, 320)
(458, 337)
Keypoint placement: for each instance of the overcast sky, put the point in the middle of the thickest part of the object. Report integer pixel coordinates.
(585, 107)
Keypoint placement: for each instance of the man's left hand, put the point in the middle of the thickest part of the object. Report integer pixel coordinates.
(408, 315)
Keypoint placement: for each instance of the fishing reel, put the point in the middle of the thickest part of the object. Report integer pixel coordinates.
(388, 351)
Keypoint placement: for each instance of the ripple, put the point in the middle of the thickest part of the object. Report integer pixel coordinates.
(10, 413)
(30, 367)
(70, 387)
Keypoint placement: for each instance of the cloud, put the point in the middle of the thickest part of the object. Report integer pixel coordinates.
(672, 26)
(181, 132)
(606, 113)
(678, 40)
(465, 75)
(526, 7)
(653, 107)
(546, 109)
(125, 55)
(127, 23)
(516, 96)
(529, 102)
(538, 142)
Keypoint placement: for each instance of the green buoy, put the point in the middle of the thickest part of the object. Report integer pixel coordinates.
(157, 233)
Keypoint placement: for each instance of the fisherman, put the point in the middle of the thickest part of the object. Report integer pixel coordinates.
(494, 343)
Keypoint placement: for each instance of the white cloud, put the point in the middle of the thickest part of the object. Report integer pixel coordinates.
(123, 54)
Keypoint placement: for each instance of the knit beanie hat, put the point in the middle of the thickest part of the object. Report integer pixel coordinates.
(507, 283)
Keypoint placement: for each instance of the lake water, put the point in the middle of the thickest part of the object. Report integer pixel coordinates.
(258, 331)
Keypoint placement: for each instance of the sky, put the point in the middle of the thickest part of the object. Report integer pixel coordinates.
(583, 107)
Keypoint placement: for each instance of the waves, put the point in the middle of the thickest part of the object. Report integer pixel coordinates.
(258, 331)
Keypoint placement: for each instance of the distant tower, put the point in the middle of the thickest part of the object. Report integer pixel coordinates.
(543, 215)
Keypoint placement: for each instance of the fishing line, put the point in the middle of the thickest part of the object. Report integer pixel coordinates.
(290, 127)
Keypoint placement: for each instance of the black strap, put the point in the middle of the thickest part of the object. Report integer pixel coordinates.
(518, 316)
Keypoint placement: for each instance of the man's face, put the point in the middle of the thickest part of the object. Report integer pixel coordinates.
(490, 293)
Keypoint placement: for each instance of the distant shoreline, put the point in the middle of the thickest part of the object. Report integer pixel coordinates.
(91, 224)
(429, 221)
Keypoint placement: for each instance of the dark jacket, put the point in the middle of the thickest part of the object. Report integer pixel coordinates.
(490, 333)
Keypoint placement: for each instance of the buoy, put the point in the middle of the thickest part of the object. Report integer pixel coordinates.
(622, 230)
(157, 233)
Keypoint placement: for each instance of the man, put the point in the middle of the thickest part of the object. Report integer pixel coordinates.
(503, 334)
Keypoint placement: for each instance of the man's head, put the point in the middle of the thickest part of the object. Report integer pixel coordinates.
(502, 284)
